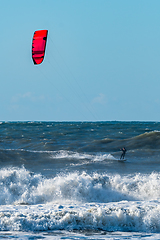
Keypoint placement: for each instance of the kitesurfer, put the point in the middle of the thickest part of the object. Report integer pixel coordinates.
(123, 152)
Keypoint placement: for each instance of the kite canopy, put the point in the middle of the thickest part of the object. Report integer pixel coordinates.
(39, 45)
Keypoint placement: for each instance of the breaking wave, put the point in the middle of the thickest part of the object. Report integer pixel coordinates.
(19, 186)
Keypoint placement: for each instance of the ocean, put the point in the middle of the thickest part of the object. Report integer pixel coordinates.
(63, 180)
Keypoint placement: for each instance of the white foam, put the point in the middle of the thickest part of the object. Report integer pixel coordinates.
(17, 185)
(79, 201)
(122, 216)
(102, 157)
(63, 154)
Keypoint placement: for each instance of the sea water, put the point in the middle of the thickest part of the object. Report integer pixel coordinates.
(63, 180)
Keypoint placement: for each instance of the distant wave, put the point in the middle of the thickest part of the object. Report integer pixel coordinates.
(147, 140)
(18, 157)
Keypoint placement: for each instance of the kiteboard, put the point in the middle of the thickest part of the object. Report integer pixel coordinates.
(122, 160)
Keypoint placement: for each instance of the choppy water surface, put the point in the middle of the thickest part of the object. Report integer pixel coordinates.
(64, 180)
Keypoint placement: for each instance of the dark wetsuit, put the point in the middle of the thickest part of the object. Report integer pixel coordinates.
(123, 153)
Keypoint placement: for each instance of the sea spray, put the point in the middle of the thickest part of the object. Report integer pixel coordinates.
(17, 185)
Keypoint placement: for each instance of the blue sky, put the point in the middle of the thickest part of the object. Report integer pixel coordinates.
(102, 60)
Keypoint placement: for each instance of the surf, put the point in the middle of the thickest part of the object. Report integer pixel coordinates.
(18, 185)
